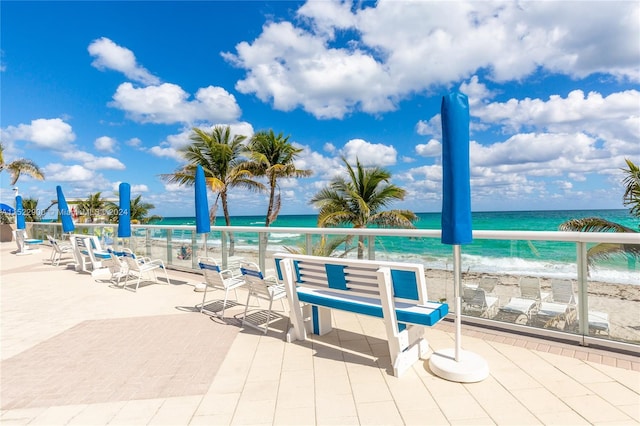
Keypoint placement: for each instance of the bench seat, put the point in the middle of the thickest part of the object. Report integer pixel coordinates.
(427, 315)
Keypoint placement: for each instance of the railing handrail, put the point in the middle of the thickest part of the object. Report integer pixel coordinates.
(565, 236)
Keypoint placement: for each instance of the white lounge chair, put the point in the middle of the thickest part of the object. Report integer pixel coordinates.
(138, 267)
(218, 279)
(117, 266)
(58, 250)
(520, 309)
(25, 244)
(476, 301)
(84, 249)
(560, 311)
(261, 287)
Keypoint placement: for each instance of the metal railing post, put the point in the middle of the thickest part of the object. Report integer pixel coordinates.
(583, 283)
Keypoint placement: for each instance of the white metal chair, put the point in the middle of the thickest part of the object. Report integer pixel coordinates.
(83, 249)
(117, 266)
(219, 280)
(138, 267)
(520, 309)
(560, 311)
(58, 250)
(261, 287)
(475, 300)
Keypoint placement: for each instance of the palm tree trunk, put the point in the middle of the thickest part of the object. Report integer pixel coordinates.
(360, 246)
(227, 220)
(272, 195)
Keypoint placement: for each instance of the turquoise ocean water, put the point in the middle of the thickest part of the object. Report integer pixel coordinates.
(545, 258)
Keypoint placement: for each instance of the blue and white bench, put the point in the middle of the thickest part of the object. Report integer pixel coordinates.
(393, 291)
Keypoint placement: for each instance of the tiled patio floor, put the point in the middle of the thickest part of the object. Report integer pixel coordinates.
(78, 351)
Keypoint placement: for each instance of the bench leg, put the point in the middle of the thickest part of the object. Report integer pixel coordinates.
(320, 320)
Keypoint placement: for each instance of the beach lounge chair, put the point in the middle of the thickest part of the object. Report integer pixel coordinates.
(117, 266)
(218, 279)
(519, 309)
(560, 311)
(599, 322)
(261, 287)
(488, 284)
(58, 250)
(138, 267)
(25, 244)
(476, 301)
(84, 248)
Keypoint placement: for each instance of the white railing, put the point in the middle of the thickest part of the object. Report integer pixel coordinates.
(167, 241)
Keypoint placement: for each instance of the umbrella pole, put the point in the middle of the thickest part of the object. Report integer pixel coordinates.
(204, 243)
(457, 289)
(454, 364)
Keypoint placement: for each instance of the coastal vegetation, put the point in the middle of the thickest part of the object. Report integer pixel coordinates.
(138, 210)
(631, 197)
(20, 166)
(220, 156)
(359, 200)
(91, 208)
(272, 156)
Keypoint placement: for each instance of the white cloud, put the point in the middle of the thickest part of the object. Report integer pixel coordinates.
(369, 154)
(45, 133)
(169, 148)
(399, 48)
(109, 55)
(134, 142)
(57, 172)
(169, 103)
(105, 143)
(92, 162)
(433, 148)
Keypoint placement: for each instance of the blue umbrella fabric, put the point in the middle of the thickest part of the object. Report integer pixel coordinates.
(456, 189)
(64, 212)
(124, 212)
(20, 221)
(5, 208)
(203, 224)
(455, 364)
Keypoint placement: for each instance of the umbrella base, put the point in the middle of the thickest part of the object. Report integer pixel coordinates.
(469, 369)
(199, 287)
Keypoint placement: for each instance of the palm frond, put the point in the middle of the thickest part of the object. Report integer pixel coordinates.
(593, 224)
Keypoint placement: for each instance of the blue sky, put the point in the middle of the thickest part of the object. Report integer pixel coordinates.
(97, 93)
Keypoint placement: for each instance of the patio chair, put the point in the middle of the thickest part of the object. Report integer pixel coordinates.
(476, 301)
(560, 311)
(117, 266)
(83, 249)
(519, 309)
(58, 250)
(218, 279)
(599, 322)
(138, 267)
(261, 287)
(530, 289)
(24, 243)
(488, 284)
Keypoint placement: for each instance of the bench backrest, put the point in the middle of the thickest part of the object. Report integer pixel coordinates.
(357, 277)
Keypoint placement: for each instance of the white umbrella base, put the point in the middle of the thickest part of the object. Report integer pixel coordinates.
(469, 369)
(199, 287)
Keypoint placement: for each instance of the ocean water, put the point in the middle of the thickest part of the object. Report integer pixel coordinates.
(543, 258)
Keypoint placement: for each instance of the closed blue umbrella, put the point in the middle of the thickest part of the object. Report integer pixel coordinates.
(456, 365)
(124, 212)
(20, 222)
(5, 208)
(203, 224)
(64, 212)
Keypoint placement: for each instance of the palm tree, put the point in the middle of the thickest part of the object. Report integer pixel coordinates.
(138, 210)
(631, 198)
(273, 156)
(92, 208)
(32, 213)
(20, 166)
(220, 156)
(326, 247)
(359, 201)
